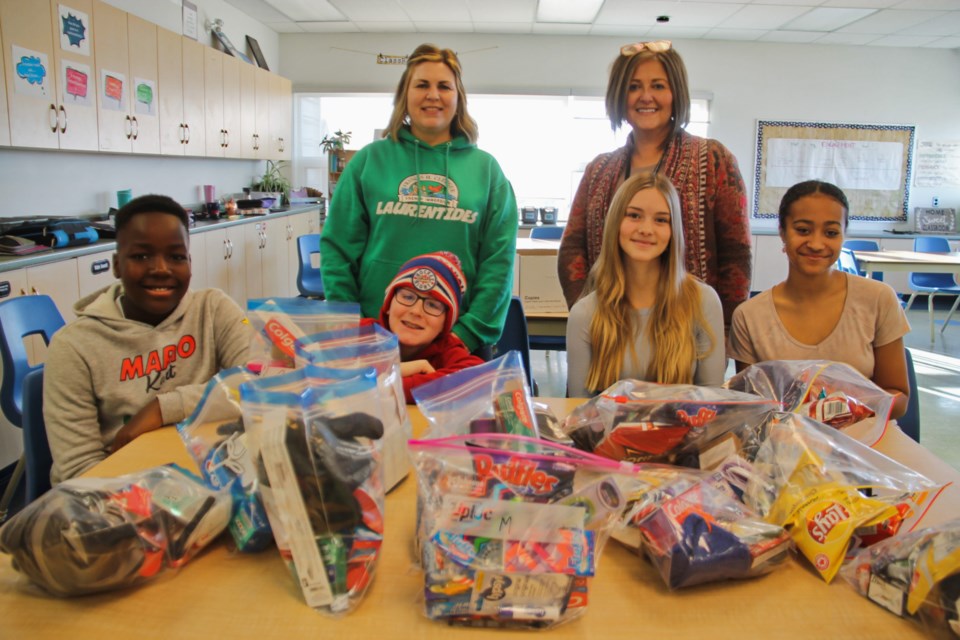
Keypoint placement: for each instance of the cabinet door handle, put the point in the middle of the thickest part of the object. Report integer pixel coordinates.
(183, 134)
(63, 127)
(129, 127)
(256, 142)
(226, 250)
(289, 232)
(33, 291)
(187, 127)
(136, 127)
(226, 133)
(53, 120)
(281, 145)
(230, 244)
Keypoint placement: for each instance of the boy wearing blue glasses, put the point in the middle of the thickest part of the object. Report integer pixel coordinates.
(421, 306)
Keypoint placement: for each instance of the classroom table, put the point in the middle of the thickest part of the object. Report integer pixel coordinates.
(221, 594)
(910, 261)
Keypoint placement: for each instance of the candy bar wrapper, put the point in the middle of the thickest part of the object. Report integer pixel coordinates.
(88, 535)
(915, 575)
(369, 345)
(830, 392)
(279, 322)
(830, 491)
(216, 441)
(641, 421)
(490, 398)
(511, 528)
(703, 534)
(322, 477)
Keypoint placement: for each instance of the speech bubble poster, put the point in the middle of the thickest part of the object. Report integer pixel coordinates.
(31, 73)
(112, 87)
(74, 30)
(144, 97)
(75, 80)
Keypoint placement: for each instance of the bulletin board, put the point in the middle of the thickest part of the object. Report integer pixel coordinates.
(871, 163)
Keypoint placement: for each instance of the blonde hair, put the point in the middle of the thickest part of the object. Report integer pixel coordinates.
(462, 123)
(621, 75)
(676, 314)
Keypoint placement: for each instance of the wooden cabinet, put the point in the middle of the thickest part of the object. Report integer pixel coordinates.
(233, 147)
(281, 118)
(222, 104)
(194, 94)
(254, 111)
(4, 118)
(50, 81)
(144, 83)
(94, 272)
(170, 90)
(224, 260)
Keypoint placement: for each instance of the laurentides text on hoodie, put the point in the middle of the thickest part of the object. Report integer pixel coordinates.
(452, 214)
(158, 365)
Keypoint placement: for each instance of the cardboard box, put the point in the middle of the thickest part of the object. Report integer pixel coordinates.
(540, 289)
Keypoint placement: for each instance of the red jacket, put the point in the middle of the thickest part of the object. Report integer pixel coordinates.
(446, 354)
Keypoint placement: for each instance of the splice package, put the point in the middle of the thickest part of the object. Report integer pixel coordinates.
(87, 535)
(831, 491)
(915, 575)
(321, 477)
(279, 322)
(215, 438)
(490, 398)
(645, 422)
(512, 527)
(698, 532)
(833, 393)
(373, 346)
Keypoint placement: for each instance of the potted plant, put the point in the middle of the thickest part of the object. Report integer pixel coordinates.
(273, 181)
(333, 145)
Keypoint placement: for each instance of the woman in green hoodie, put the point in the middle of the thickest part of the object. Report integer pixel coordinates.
(424, 187)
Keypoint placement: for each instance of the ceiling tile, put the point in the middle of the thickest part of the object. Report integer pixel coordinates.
(258, 10)
(503, 27)
(392, 26)
(287, 26)
(927, 5)
(502, 10)
(432, 11)
(790, 36)
(328, 27)
(672, 32)
(889, 21)
(734, 34)
(635, 32)
(846, 38)
(371, 11)
(558, 28)
(826, 19)
(902, 41)
(306, 9)
(754, 16)
(860, 4)
(952, 42)
(944, 25)
(425, 26)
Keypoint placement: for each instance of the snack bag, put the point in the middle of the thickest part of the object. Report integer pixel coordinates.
(369, 346)
(88, 535)
(279, 322)
(830, 490)
(830, 392)
(646, 422)
(512, 528)
(215, 438)
(490, 398)
(700, 533)
(322, 477)
(915, 575)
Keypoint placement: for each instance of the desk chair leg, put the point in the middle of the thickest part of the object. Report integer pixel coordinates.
(930, 308)
(950, 315)
(11, 489)
(909, 302)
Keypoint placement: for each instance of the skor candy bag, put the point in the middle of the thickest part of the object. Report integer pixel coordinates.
(96, 534)
(833, 393)
(490, 398)
(915, 576)
(215, 439)
(280, 321)
(373, 346)
(512, 527)
(317, 433)
(645, 422)
(831, 491)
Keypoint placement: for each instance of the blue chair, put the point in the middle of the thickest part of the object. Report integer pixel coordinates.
(36, 450)
(546, 233)
(910, 421)
(848, 262)
(864, 245)
(933, 283)
(309, 281)
(21, 318)
(514, 337)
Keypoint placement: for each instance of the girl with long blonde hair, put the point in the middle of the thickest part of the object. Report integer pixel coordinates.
(643, 316)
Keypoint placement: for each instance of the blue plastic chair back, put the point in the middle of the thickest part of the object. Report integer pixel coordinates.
(36, 450)
(910, 421)
(546, 233)
(21, 317)
(309, 281)
(931, 281)
(514, 336)
(848, 262)
(864, 245)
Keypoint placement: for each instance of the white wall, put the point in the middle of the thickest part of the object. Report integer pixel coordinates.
(71, 183)
(748, 81)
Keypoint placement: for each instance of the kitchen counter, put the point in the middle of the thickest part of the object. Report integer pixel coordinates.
(10, 263)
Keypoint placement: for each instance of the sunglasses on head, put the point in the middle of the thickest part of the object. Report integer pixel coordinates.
(431, 306)
(657, 46)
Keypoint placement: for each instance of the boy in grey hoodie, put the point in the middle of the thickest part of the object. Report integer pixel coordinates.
(141, 350)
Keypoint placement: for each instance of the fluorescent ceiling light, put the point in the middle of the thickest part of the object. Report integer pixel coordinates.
(569, 11)
(307, 10)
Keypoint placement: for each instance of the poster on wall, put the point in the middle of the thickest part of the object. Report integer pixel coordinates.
(75, 79)
(871, 163)
(74, 30)
(190, 19)
(112, 88)
(938, 163)
(144, 97)
(31, 73)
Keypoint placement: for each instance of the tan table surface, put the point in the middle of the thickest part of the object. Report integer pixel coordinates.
(225, 595)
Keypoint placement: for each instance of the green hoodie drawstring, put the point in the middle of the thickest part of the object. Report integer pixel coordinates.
(446, 173)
